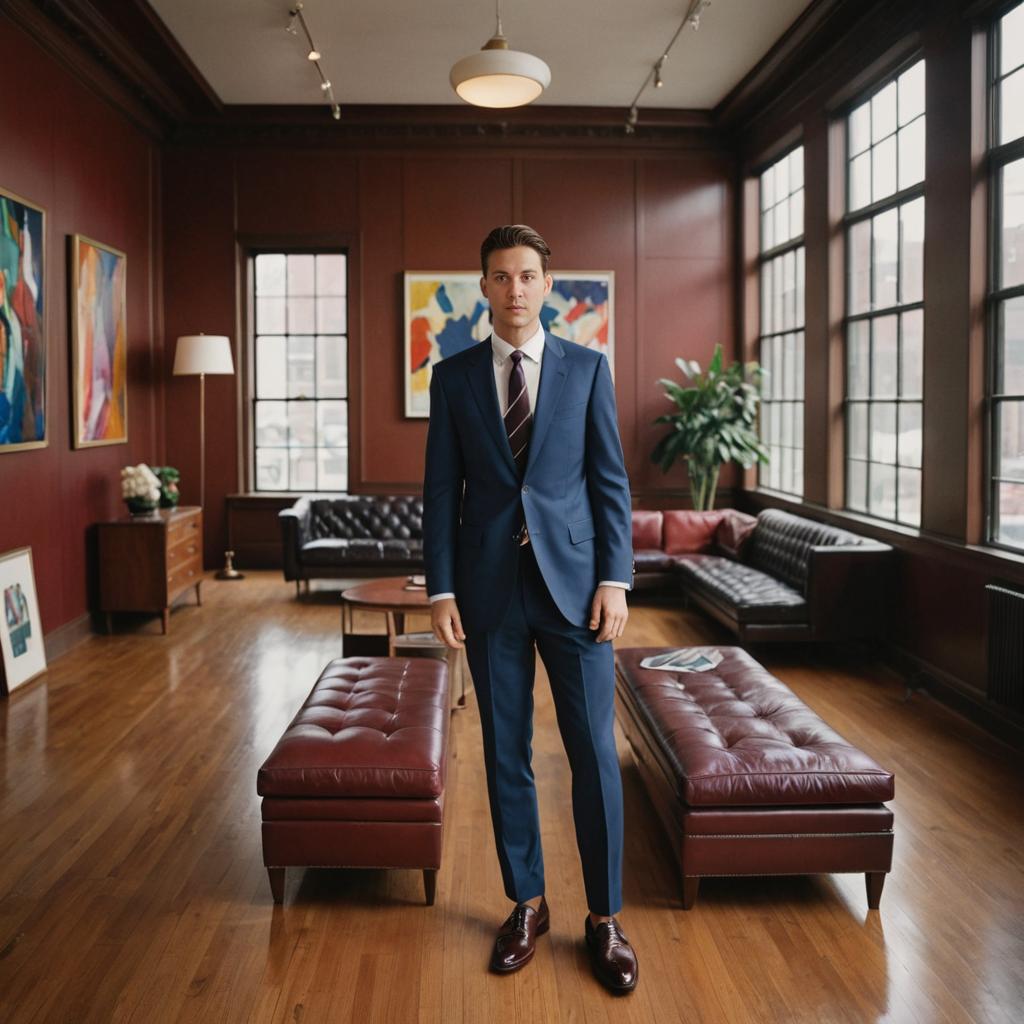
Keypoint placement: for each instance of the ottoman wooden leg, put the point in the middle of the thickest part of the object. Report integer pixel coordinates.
(430, 884)
(691, 883)
(277, 883)
(875, 880)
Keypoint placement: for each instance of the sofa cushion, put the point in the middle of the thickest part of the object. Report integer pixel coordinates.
(372, 727)
(338, 551)
(734, 531)
(781, 544)
(654, 561)
(689, 531)
(647, 529)
(366, 517)
(750, 595)
(736, 735)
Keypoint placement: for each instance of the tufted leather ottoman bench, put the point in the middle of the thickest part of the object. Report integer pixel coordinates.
(746, 779)
(357, 779)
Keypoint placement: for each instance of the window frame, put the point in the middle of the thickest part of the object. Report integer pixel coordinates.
(249, 251)
(849, 219)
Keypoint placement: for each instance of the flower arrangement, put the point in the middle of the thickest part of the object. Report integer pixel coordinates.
(140, 489)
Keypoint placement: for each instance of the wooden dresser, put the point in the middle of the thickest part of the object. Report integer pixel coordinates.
(147, 562)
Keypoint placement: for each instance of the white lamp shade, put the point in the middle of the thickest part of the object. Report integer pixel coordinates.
(203, 353)
(500, 78)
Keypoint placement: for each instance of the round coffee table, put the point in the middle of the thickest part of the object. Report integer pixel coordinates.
(394, 597)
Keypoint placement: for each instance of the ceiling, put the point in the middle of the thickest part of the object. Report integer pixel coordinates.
(400, 51)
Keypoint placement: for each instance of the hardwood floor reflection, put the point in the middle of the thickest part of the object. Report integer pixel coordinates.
(132, 886)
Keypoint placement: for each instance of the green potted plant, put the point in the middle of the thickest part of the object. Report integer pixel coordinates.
(715, 422)
(168, 477)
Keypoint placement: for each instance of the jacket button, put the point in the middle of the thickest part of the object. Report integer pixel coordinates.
(525, 489)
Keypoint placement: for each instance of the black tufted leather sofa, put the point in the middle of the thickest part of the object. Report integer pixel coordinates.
(796, 579)
(356, 535)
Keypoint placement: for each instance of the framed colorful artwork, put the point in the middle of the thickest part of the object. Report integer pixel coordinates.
(446, 312)
(22, 324)
(21, 632)
(99, 343)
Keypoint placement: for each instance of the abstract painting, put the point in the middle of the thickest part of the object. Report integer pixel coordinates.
(21, 632)
(99, 340)
(446, 313)
(22, 334)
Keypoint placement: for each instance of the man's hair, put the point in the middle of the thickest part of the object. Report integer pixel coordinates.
(508, 236)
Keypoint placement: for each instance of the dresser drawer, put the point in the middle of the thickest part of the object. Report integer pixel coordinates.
(181, 527)
(186, 546)
(185, 575)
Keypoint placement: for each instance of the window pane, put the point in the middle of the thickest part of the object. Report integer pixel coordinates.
(300, 368)
(857, 430)
(885, 244)
(330, 275)
(883, 113)
(1010, 524)
(767, 230)
(333, 466)
(301, 425)
(883, 169)
(270, 316)
(859, 260)
(910, 434)
(796, 214)
(302, 467)
(911, 93)
(782, 222)
(800, 312)
(857, 362)
(778, 295)
(271, 469)
(910, 497)
(1011, 107)
(911, 147)
(1010, 360)
(332, 424)
(796, 168)
(270, 274)
(911, 353)
(857, 486)
(788, 291)
(271, 424)
(301, 275)
(882, 499)
(789, 363)
(270, 367)
(883, 432)
(331, 369)
(330, 316)
(768, 188)
(1011, 237)
(787, 430)
(301, 316)
(1011, 50)
(860, 129)
(912, 251)
(767, 272)
(860, 181)
(1010, 434)
(883, 358)
(776, 344)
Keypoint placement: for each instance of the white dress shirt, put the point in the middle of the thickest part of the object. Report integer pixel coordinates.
(533, 353)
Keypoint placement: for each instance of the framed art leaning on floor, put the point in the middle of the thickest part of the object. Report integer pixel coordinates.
(21, 632)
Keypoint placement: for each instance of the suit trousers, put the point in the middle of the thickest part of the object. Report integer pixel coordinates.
(582, 675)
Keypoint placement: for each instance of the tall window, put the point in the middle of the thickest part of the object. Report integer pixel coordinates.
(300, 404)
(781, 342)
(884, 299)
(1007, 282)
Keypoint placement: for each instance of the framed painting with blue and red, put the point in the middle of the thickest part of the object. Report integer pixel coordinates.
(22, 324)
(99, 343)
(446, 313)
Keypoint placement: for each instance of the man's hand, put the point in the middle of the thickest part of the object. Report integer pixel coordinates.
(445, 622)
(608, 611)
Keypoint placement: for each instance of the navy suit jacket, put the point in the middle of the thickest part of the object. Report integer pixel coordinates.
(574, 492)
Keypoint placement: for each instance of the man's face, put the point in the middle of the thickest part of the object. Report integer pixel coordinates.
(515, 287)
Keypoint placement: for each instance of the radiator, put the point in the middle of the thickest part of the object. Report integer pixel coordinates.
(1005, 646)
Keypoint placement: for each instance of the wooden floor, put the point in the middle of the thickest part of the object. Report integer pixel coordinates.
(132, 887)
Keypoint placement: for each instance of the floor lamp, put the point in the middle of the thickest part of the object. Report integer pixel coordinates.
(200, 354)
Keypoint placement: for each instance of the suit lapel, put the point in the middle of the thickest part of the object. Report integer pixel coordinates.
(480, 375)
(552, 379)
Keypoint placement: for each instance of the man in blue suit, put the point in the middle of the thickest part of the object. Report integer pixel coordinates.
(527, 543)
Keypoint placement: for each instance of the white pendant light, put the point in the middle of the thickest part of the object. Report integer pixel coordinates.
(498, 76)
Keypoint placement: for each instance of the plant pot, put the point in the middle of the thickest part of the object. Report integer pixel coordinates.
(138, 507)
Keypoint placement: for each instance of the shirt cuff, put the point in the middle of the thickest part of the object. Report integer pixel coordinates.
(614, 583)
(438, 597)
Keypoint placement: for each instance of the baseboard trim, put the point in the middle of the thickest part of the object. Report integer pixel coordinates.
(63, 639)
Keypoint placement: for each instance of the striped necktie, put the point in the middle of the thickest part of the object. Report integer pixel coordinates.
(518, 421)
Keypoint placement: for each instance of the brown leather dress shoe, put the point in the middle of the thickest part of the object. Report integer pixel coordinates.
(514, 946)
(611, 956)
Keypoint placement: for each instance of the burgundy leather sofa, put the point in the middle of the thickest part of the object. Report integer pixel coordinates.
(774, 577)
(353, 535)
(746, 779)
(358, 778)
